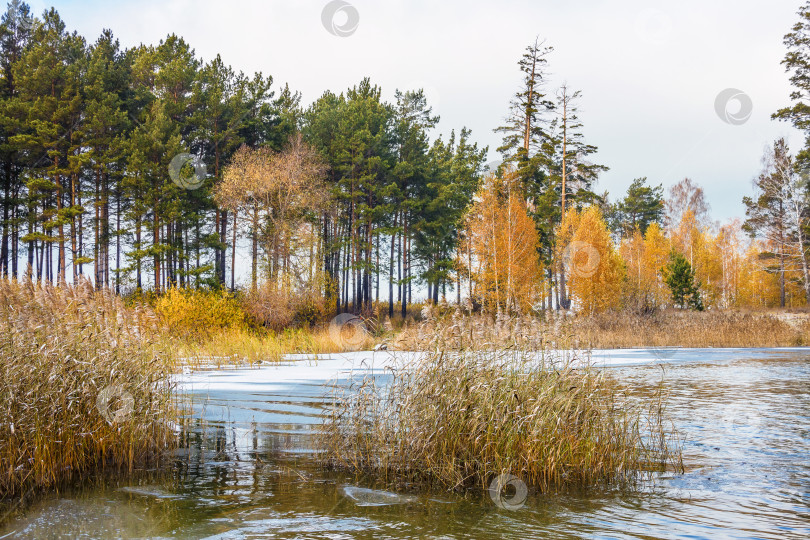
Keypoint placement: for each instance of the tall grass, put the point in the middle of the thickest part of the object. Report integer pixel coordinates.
(693, 329)
(457, 419)
(84, 386)
(613, 330)
(245, 346)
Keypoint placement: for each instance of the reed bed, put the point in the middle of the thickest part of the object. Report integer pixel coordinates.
(458, 418)
(612, 330)
(676, 328)
(84, 386)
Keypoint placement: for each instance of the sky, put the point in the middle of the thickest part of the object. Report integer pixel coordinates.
(650, 72)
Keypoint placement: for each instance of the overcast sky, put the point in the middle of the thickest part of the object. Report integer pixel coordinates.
(649, 71)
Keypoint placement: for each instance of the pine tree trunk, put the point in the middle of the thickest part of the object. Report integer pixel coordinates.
(405, 262)
(97, 269)
(254, 257)
(391, 270)
(156, 244)
(233, 253)
(73, 232)
(139, 280)
(6, 207)
(61, 255)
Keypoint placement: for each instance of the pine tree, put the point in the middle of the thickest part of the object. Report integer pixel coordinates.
(15, 34)
(529, 115)
(354, 133)
(410, 193)
(680, 277)
(642, 206)
(105, 130)
(573, 172)
(779, 215)
(48, 106)
(797, 63)
(220, 104)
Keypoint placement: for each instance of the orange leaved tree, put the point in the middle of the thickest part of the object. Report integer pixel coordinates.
(594, 268)
(502, 243)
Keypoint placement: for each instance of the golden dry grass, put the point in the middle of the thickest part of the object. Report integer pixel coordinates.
(460, 417)
(676, 328)
(615, 329)
(83, 386)
(244, 346)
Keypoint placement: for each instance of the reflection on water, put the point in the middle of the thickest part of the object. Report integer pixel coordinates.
(247, 471)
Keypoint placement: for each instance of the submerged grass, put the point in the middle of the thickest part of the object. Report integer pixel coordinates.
(83, 386)
(458, 418)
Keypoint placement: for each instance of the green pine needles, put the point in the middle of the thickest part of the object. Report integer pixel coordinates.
(680, 277)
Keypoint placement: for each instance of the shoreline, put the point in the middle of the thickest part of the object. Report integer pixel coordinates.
(292, 367)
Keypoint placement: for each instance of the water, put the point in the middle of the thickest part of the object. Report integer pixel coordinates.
(249, 472)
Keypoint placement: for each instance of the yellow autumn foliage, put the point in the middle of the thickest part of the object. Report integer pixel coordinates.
(594, 269)
(193, 312)
(503, 259)
(645, 256)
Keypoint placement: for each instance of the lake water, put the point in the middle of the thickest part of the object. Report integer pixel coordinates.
(249, 472)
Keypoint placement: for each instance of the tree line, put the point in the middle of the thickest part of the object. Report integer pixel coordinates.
(92, 131)
(144, 168)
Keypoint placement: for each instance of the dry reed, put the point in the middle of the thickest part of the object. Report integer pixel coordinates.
(677, 328)
(457, 418)
(83, 386)
(614, 330)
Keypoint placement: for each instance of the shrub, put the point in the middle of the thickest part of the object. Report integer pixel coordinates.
(197, 313)
(276, 308)
(269, 306)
